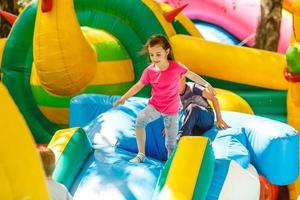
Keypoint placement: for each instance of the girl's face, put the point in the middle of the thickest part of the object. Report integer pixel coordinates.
(158, 55)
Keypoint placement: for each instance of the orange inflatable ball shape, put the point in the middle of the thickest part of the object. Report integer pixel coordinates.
(268, 191)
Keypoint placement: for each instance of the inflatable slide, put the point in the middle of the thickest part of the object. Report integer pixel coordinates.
(58, 49)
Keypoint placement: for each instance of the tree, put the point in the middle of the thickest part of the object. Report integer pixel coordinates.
(23, 3)
(11, 6)
(268, 30)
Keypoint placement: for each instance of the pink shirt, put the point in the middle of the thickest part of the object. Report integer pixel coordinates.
(165, 92)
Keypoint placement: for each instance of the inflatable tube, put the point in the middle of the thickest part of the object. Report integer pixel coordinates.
(187, 180)
(65, 62)
(71, 148)
(21, 171)
(264, 138)
(114, 74)
(245, 65)
(296, 12)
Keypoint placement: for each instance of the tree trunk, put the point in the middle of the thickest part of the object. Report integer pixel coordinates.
(11, 7)
(268, 30)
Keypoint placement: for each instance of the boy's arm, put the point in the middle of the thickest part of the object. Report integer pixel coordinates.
(198, 79)
(220, 122)
(131, 92)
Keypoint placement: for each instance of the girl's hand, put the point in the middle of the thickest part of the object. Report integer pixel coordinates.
(221, 124)
(119, 101)
(163, 132)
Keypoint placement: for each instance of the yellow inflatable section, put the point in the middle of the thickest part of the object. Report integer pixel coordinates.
(60, 140)
(233, 102)
(187, 178)
(107, 72)
(2, 45)
(288, 5)
(231, 63)
(21, 171)
(64, 60)
(179, 171)
(296, 19)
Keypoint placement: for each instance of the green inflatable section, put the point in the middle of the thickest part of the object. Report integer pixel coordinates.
(204, 177)
(205, 174)
(264, 102)
(72, 158)
(110, 51)
(163, 175)
(45, 99)
(179, 28)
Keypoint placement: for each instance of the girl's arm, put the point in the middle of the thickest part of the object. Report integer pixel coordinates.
(220, 122)
(132, 91)
(198, 79)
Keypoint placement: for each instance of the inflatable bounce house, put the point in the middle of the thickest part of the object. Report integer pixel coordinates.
(66, 61)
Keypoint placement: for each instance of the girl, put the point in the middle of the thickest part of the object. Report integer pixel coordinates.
(163, 74)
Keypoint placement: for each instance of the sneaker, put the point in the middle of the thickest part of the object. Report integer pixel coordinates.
(140, 157)
(179, 135)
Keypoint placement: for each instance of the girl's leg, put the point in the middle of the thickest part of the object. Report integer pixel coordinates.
(171, 126)
(140, 139)
(146, 116)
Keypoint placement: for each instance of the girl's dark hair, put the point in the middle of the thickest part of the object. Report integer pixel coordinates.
(158, 40)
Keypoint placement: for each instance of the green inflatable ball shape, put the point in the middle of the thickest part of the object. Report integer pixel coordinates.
(293, 59)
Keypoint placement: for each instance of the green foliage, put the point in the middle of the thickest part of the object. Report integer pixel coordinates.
(22, 3)
(293, 59)
(11, 6)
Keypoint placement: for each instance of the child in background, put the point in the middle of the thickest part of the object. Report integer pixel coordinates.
(198, 114)
(57, 191)
(163, 75)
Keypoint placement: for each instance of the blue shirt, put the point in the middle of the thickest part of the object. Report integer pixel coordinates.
(193, 94)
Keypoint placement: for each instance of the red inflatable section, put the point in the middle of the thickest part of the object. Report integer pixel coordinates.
(268, 191)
